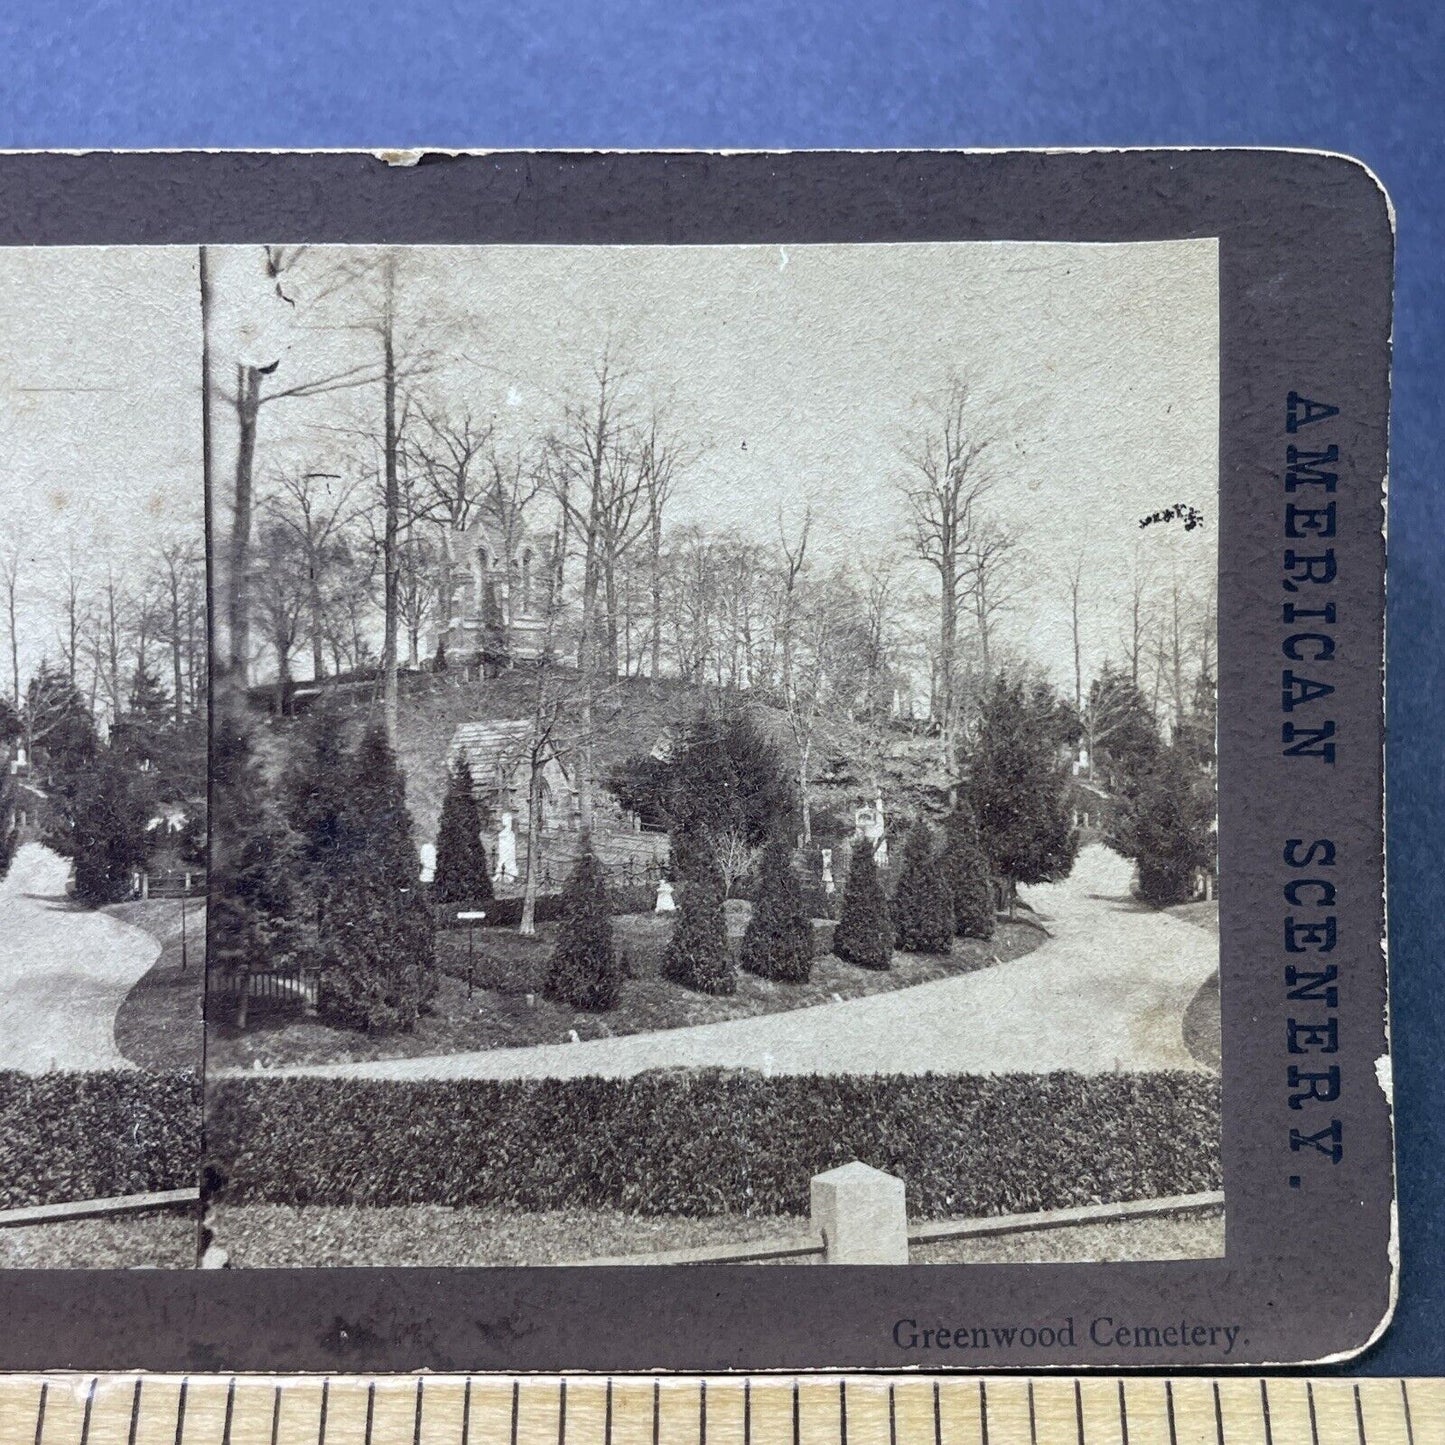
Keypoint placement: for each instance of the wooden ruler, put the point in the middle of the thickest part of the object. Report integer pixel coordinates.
(719, 1410)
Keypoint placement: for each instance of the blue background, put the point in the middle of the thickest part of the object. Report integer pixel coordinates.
(1366, 79)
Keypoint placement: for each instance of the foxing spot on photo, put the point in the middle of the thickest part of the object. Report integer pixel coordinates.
(103, 741)
(714, 755)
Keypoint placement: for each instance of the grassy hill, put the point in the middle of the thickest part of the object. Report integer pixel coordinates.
(630, 715)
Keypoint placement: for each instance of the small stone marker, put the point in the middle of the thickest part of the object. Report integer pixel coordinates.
(828, 884)
(664, 898)
(861, 1214)
(506, 869)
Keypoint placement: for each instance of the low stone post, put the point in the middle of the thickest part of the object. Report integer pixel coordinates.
(861, 1214)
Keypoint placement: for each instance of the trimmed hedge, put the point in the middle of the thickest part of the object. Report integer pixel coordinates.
(706, 1142)
(68, 1137)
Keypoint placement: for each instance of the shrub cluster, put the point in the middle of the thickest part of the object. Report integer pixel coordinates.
(778, 942)
(865, 931)
(923, 919)
(68, 1137)
(966, 870)
(697, 954)
(707, 1142)
(586, 970)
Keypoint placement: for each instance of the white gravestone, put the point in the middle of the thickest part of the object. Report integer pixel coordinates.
(506, 869)
(828, 884)
(664, 897)
(861, 1214)
(428, 862)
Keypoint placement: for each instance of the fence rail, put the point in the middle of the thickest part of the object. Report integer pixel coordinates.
(299, 985)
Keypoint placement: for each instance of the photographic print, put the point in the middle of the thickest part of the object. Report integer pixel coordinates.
(103, 737)
(715, 754)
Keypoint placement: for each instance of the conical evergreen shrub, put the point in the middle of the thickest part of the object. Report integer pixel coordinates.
(378, 952)
(778, 941)
(586, 970)
(865, 930)
(697, 953)
(462, 874)
(966, 869)
(109, 837)
(923, 902)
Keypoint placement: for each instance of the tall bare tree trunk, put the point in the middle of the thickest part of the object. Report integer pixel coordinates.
(248, 411)
(177, 645)
(392, 505)
(948, 644)
(12, 579)
(528, 925)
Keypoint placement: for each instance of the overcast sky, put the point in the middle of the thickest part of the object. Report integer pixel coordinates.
(801, 372)
(100, 428)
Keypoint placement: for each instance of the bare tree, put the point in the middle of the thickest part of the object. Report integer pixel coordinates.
(943, 490)
(1074, 580)
(179, 561)
(445, 451)
(990, 557)
(279, 588)
(10, 581)
(317, 508)
(252, 388)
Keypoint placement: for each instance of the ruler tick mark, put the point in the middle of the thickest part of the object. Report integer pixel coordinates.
(1409, 1424)
(1314, 1424)
(467, 1412)
(656, 1413)
(797, 1414)
(90, 1405)
(983, 1413)
(937, 1416)
(1264, 1408)
(562, 1414)
(134, 1412)
(416, 1422)
(40, 1412)
(1033, 1420)
(702, 1413)
(181, 1410)
(1123, 1417)
(1169, 1411)
(370, 1409)
(276, 1413)
(1079, 1414)
(1359, 1416)
(607, 1415)
(748, 1411)
(1218, 1413)
(892, 1418)
(230, 1412)
(516, 1407)
(843, 1412)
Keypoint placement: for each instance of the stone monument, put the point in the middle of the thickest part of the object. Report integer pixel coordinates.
(869, 823)
(664, 902)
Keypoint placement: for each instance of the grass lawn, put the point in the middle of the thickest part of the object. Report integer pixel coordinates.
(284, 1236)
(1204, 914)
(161, 1239)
(511, 970)
(159, 1026)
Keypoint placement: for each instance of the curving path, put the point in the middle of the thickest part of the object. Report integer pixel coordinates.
(1108, 991)
(64, 971)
